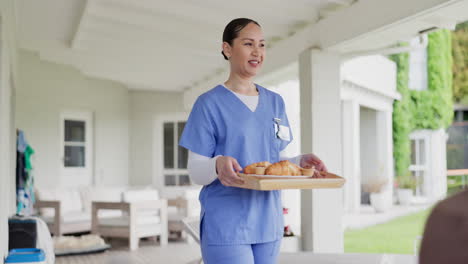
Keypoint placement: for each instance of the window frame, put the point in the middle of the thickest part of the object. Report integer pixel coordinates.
(77, 175)
(419, 170)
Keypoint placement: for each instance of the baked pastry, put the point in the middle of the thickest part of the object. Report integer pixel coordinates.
(308, 172)
(252, 168)
(284, 167)
(260, 170)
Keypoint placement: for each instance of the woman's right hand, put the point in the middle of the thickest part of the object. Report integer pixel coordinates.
(227, 168)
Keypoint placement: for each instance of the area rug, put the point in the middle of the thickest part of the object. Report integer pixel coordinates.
(78, 245)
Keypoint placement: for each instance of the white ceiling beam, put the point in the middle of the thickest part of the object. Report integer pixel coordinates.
(123, 30)
(151, 22)
(137, 79)
(342, 2)
(76, 37)
(99, 44)
(209, 11)
(375, 16)
(116, 67)
(205, 16)
(132, 81)
(101, 41)
(361, 20)
(148, 13)
(172, 8)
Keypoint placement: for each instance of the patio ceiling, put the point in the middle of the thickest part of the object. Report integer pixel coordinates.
(175, 45)
(147, 44)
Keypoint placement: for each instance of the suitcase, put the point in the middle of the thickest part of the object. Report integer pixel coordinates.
(22, 233)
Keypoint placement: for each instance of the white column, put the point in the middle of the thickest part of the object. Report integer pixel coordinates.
(436, 164)
(7, 144)
(351, 156)
(385, 151)
(321, 209)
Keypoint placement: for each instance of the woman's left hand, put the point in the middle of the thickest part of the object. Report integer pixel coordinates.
(310, 160)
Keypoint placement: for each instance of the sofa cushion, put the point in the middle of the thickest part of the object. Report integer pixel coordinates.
(70, 200)
(134, 195)
(100, 194)
(124, 221)
(173, 193)
(74, 217)
(105, 213)
(71, 217)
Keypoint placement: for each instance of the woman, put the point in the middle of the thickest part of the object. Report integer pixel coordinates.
(233, 125)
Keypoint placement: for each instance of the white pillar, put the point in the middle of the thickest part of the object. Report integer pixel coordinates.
(385, 152)
(440, 186)
(321, 209)
(351, 156)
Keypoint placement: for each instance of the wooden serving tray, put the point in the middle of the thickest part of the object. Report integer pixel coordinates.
(271, 182)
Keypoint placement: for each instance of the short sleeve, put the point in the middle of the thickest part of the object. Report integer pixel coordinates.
(285, 122)
(199, 134)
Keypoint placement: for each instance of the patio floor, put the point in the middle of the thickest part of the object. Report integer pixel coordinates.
(148, 252)
(183, 253)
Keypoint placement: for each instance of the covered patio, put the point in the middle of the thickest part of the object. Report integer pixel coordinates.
(171, 254)
(134, 68)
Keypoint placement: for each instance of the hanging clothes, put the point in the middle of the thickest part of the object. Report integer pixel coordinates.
(24, 179)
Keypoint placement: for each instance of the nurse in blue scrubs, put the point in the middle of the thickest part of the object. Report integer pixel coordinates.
(233, 125)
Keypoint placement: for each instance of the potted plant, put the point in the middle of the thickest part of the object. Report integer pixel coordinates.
(377, 198)
(290, 242)
(405, 186)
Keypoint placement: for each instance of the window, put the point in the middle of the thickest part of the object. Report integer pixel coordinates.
(460, 115)
(417, 67)
(75, 143)
(76, 148)
(175, 157)
(418, 165)
(457, 142)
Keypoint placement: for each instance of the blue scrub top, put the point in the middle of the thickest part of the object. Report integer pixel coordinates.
(221, 124)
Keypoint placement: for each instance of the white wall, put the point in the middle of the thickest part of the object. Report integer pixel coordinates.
(8, 76)
(145, 107)
(45, 89)
(376, 73)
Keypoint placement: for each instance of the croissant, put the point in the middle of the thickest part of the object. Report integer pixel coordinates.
(284, 167)
(251, 169)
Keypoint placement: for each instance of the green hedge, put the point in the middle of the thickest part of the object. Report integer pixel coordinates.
(460, 63)
(401, 118)
(428, 109)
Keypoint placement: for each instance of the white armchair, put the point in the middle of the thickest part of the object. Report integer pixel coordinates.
(144, 214)
(185, 205)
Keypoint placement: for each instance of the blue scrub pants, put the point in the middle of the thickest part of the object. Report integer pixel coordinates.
(262, 253)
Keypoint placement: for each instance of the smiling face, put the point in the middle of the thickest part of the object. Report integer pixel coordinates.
(247, 52)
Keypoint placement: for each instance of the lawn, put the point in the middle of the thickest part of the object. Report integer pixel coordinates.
(396, 236)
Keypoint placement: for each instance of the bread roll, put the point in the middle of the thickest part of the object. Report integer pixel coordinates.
(308, 172)
(251, 169)
(284, 167)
